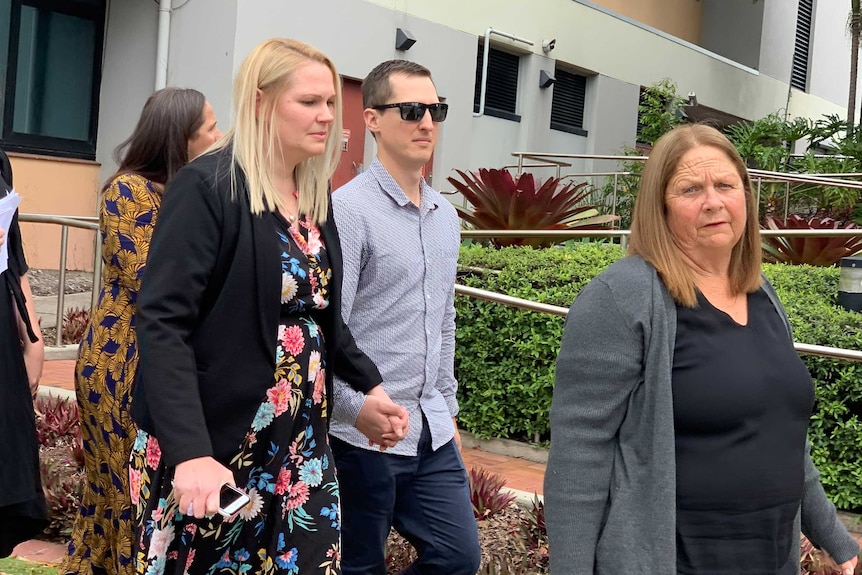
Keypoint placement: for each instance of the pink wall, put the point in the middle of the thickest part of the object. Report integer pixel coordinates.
(680, 18)
(59, 187)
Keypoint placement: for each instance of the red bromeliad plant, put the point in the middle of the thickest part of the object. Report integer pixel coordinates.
(486, 493)
(501, 202)
(822, 251)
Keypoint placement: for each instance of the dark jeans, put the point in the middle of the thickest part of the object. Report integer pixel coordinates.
(426, 499)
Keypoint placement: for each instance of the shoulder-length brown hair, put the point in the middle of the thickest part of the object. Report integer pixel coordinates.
(159, 144)
(650, 236)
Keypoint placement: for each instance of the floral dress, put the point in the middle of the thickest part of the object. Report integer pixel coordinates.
(292, 523)
(101, 540)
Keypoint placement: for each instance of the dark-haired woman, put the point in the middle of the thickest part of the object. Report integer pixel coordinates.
(175, 126)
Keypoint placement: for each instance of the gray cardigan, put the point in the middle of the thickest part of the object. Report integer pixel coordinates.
(610, 484)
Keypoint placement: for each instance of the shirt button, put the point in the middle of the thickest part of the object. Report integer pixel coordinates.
(429, 296)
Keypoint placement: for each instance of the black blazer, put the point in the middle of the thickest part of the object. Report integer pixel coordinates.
(208, 313)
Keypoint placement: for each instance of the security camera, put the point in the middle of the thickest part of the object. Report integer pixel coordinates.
(548, 45)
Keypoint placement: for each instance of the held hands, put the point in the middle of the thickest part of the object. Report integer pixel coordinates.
(382, 421)
(197, 483)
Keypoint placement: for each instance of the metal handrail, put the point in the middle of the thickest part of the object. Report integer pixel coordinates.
(576, 233)
(66, 222)
(558, 160)
(550, 158)
(520, 303)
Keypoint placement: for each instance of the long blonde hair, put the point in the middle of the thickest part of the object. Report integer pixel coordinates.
(650, 236)
(270, 68)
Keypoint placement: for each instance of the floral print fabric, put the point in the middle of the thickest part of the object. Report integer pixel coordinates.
(292, 523)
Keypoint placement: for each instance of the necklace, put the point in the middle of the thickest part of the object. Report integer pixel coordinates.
(291, 217)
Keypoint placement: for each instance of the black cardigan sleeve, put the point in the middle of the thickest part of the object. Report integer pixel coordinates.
(350, 363)
(181, 260)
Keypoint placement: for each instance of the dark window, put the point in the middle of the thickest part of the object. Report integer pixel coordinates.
(799, 72)
(49, 74)
(567, 106)
(501, 92)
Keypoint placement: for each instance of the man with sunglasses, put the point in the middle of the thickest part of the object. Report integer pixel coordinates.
(400, 240)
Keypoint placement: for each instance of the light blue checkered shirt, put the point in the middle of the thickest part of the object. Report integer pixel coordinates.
(398, 300)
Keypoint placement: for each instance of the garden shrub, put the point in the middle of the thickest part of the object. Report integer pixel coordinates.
(504, 357)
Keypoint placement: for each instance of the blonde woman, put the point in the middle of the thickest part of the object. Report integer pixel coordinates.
(240, 331)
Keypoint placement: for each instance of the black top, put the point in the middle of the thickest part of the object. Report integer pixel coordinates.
(742, 399)
(22, 505)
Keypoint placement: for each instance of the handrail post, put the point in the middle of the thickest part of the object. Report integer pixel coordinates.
(61, 292)
(759, 182)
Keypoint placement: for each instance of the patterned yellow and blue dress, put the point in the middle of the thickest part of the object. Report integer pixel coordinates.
(292, 523)
(101, 541)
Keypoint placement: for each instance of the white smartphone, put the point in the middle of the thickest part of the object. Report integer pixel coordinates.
(231, 500)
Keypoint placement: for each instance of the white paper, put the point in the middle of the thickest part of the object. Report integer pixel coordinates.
(8, 205)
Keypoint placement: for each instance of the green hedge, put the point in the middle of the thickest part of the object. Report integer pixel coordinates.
(505, 357)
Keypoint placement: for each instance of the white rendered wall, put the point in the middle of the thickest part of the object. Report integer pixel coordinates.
(128, 75)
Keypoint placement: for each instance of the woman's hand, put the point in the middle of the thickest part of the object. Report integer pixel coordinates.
(848, 567)
(34, 351)
(34, 359)
(2, 237)
(197, 483)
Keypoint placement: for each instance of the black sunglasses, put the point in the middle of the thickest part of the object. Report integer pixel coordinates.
(414, 111)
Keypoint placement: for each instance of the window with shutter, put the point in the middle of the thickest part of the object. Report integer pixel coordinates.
(567, 107)
(802, 47)
(501, 92)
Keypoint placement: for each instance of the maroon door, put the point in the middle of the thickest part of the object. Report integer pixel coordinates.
(353, 138)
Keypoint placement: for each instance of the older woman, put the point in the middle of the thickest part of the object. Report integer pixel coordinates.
(680, 407)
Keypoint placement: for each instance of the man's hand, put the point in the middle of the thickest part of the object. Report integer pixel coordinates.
(382, 421)
(457, 437)
(2, 237)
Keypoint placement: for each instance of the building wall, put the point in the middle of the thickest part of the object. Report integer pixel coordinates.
(128, 75)
(680, 18)
(59, 187)
(829, 61)
(778, 38)
(203, 36)
(733, 28)
(636, 55)
(209, 41)
(612, 112)
(359, 35)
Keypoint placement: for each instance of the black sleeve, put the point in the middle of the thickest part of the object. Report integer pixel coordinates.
(17, 261)
(350, 363)
(181, 260)
(353, 366)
